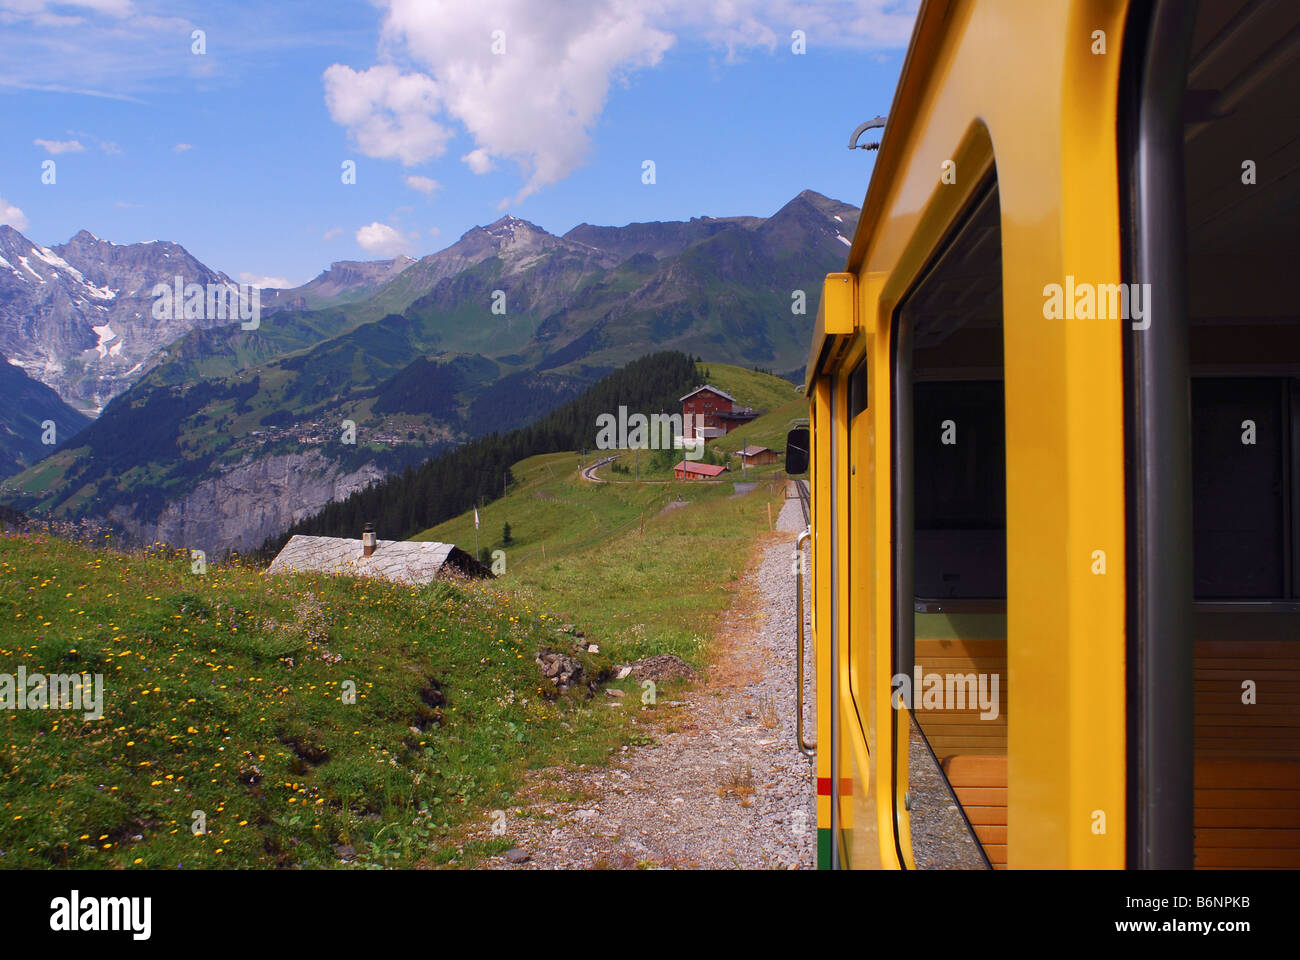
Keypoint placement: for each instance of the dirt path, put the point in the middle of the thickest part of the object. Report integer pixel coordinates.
(722, 785)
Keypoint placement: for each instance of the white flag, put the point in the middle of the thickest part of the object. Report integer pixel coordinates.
(476, 518)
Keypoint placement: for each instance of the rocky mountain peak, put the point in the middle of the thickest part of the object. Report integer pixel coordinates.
(77, 316)
(810, 216)
(511, 230)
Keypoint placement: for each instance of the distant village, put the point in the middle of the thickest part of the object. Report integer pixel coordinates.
(331, 431)
(710, 412)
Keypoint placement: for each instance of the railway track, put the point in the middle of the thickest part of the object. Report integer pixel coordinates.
(589, 473)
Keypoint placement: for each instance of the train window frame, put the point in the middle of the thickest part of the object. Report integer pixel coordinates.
(904, 604)
(855, 404)
(902, 499)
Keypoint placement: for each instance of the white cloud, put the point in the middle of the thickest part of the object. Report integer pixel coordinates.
(59, 146)
(435, 232)
(383, 240)
(12, 215)
(40, 11)
(739, 25)
(388, 113)
(182, 147)
(108, 146)
(426, 185)
(479, 161)
(538, 101)
(111, 8)
(8, 81)
(257, 280)
(332, 233)
(127, 50)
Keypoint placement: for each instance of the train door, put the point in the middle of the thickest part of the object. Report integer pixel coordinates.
(828, 614)
(949, 648)
(852, 776)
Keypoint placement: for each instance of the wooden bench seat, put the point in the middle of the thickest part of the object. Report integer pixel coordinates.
(972, 751)
(1247, 771)
(980, 783)
(1247, 756)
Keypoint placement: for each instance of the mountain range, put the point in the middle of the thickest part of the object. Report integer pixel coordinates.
(215, 436)
(78, 316)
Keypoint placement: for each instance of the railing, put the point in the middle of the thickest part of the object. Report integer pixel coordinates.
(807, 749)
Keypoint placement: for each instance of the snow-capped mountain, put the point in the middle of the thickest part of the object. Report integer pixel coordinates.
(79, 316)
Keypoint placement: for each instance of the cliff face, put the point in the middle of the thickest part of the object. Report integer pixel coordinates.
(240, 508)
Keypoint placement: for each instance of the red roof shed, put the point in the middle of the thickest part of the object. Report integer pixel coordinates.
(686, 470)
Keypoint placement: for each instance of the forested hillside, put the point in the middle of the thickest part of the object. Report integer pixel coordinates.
(404, 504)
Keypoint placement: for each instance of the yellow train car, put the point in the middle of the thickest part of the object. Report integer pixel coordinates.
(1054, 408)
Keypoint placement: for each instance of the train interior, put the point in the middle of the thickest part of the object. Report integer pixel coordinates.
(1242, 175)
(1242, 169)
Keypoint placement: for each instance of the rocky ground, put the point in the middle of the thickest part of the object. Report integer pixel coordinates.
(721, 784)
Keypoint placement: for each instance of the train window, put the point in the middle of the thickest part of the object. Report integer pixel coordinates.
(950, 577)
(960, 480)
(1240, 444)
(858, 391)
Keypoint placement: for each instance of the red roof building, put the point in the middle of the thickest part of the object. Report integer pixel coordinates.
(686, 470)
(713, 413)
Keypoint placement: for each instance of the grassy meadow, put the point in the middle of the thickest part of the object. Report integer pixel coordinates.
(228, 695)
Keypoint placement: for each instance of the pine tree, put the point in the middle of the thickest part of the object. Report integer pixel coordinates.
(506, 539)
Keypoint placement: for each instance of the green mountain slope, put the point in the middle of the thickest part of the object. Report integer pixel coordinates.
(403, 505)
(26, 407)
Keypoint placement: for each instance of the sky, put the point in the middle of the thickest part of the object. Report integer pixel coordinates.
(234, 140)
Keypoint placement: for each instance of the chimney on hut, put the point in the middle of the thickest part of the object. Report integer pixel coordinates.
(368, 540)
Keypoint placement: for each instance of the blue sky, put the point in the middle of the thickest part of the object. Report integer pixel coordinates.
(236, 153)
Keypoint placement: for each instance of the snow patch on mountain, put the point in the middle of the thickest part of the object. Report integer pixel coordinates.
(26, 266)
(105, 334)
